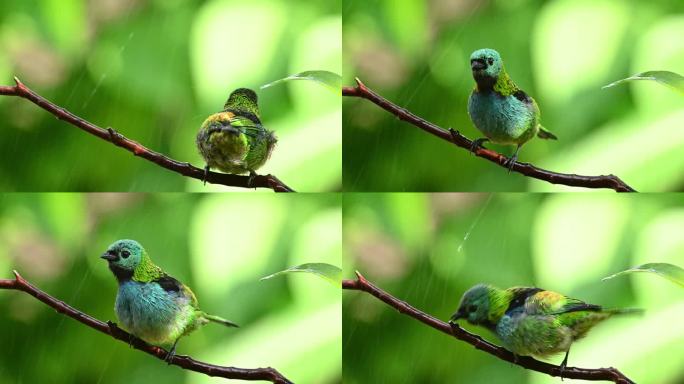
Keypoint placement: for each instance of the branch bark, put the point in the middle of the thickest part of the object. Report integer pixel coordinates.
(599, 374)
(109, 328)
(112, 136)
(456, 138)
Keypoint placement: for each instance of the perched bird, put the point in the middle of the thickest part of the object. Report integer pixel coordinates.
(233, 140)
(498, 108)
(531, 321)
(151, 304)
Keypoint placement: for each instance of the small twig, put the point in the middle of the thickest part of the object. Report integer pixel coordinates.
(607, 374)
(110, 135)
(109, 328)
(456, 138)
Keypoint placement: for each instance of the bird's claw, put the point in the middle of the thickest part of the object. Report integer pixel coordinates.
(477, 143)
(206, 174)
(510, 162)
(250, 180)
(170, 355)
(131, 338)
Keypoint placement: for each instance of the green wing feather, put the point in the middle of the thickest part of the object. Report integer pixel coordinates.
(552, 303)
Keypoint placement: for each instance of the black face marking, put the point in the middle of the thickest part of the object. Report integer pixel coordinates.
(478, 64)
(168, 283)
(520, 297)
(121, 274)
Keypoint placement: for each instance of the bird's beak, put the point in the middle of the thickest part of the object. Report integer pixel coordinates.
(477, 64)
(109, 256)
(456, 316)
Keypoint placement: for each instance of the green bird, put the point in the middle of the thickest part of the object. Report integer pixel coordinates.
(504, 113)
(150, 304)
(531, 321)
(233, 140)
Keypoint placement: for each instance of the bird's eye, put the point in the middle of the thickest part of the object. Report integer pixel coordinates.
(490, 61)
(125, 254)
(471, 308)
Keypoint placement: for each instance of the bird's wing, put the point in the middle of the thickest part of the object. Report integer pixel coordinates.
(522, 96)
(170, 284)
(553, 303)
(247, 126)
(518, 296)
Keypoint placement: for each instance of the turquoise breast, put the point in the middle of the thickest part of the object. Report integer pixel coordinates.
(146, 310)
(502, 119)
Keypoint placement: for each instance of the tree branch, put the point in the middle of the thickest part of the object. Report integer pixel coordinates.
(109, 328)
(454, 137)
(110, 135)
(607, 374)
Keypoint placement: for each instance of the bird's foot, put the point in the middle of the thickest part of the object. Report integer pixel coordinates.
(513, 159)
(563, 365)
(170, 355)
(250, 180)
(477, 143)
(206, 174)
(510, 162)
(131, 339)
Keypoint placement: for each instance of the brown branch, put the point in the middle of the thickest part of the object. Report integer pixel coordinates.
(607, 374)
(109, 328)
(456, 138)
(110, 135)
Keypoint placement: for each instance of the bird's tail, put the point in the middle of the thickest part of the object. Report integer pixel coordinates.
(624, 311)
(220, 320)
(545, 134)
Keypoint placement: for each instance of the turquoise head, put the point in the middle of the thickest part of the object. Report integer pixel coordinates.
(474, 306)
(486, 65)
(123, 257)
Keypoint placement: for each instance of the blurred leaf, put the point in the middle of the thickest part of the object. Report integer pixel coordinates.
(329, 272)
(670, 79)
(668, 271)
(330, 80)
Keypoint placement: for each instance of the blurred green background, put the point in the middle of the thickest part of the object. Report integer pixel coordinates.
(428, 249)
(154, 69)
(219, 245)
(416, 54)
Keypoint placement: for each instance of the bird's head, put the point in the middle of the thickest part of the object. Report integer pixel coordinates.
(243, 100)
(486, 64)
(474, 306)
(124, 256)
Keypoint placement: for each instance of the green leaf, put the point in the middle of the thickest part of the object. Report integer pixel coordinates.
(671, 79)
(329, 272)
(668, 271)
(330, 80)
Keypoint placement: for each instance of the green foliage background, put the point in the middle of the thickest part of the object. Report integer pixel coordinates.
(428, 249)
(154, 70)
(220, 245)
(561, 52)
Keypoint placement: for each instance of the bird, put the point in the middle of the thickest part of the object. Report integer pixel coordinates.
(504, 113)
(531, 321)
(234, 140)
(150, 304)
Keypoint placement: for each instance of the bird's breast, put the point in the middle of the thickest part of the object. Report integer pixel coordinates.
(148, 311)
(503, 119)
